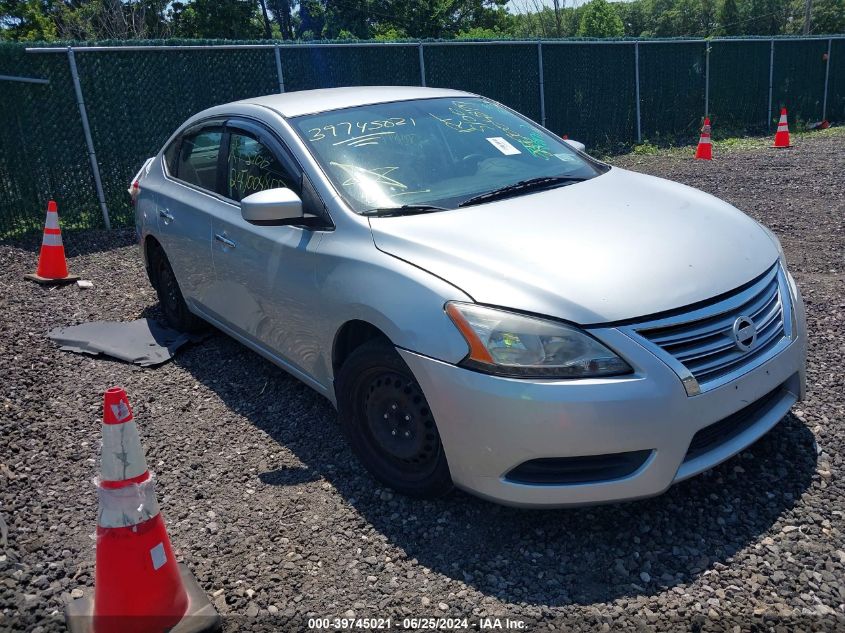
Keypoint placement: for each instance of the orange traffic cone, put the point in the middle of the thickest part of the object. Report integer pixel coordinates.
(704, 151)
(52, 266)
(138, 586)
(782, 135)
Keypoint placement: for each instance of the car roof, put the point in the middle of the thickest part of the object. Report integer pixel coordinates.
(291, 104)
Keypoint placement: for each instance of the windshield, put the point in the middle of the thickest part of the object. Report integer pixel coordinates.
(434, 152)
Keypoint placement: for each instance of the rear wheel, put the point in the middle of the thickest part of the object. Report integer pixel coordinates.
(170, 296)
(386, 418)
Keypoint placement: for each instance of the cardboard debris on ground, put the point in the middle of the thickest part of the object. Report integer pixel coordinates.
(144, 342)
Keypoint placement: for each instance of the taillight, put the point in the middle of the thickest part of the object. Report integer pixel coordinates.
(134, 190)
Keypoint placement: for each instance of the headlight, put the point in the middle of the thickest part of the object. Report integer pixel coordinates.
(510, 344)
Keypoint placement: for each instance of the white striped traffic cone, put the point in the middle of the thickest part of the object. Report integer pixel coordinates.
(138, 586)
(782, 135)
(704, 151)
(52, 265)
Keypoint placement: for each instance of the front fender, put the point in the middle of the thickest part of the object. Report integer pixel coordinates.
(405, 302)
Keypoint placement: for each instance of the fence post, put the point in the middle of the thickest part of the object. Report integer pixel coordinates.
(771, 81)
(542, 88)
(422, 65)
(826, 79)
(637, 84)
(706, 78)
(89, 141)
(279, 69)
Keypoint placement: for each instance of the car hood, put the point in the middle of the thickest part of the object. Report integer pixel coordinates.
(616, 247)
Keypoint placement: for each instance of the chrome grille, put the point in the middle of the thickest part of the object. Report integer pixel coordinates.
(702, 341)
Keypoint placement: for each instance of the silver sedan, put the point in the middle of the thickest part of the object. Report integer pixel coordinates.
(487, 306)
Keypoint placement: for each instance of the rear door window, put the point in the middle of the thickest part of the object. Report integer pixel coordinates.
(251, 167)
(197, 160)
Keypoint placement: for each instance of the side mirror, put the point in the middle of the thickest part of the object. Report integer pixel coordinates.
(575, 144)
(272, 206)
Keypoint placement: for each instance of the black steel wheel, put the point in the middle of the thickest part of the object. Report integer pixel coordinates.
(387, 420)
(170, 296)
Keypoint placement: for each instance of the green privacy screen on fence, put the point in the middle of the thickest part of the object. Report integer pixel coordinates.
(836, 90)
(507, 73)
(799, 72)
(42, 148)
(132, 111)
(135, 98)
(739, 87)
(590, 92)
(672, 89)
(331, 67)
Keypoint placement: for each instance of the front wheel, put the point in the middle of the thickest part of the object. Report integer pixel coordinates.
(386, 419)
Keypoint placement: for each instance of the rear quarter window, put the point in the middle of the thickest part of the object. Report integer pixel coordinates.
(170, 155)
(198, 158)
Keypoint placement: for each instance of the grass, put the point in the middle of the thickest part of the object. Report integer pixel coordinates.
(735, 143)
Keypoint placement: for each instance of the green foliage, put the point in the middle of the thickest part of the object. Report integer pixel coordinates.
(27, 20)
(645, 149)
(480, 33)
(599, 19)
(346, 35)
(311, 20)
(388, 33)
(729, 21)
(216, 19)
(34, 24)
(634, 17)
(828, 17)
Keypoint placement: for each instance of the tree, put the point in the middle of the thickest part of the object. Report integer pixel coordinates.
(82, 19)
(216, 19)
(765, 17)
(707, 18)
(268, 33)
(479, 33)
(599, 19)
(534, 19)
(312, 20)
(29, 20)
(828, 17)
(282, 12)
(729, 20)
(633, 18)
(348, 17)
(388, 33)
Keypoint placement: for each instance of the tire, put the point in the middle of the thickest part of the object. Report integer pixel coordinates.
(387, 421)
(170, 297)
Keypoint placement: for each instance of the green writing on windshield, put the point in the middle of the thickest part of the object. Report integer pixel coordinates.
(468, 118)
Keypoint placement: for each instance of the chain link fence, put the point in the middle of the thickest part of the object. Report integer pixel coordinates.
(78, 122)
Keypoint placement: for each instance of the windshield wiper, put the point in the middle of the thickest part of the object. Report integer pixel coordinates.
(405, 209)
(522, 186)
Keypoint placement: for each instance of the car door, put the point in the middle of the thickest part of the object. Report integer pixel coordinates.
(190, 192)
(265, 275)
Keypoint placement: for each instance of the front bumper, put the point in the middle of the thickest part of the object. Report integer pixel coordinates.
(489, 425)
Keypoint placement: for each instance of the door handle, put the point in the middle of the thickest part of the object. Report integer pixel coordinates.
(225, 240)
(165, 215)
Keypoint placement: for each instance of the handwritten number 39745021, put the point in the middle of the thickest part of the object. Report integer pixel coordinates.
(347, 128)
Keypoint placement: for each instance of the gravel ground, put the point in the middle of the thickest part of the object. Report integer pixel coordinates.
(279, 523)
